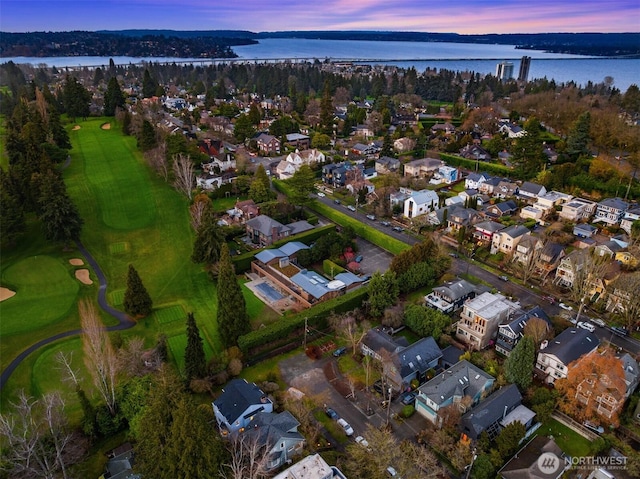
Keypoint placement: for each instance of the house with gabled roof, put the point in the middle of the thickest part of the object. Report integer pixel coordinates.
(511, 129)
(386, 164)
(462, 385)
(525, 464)
(512, 330)
(446, 128)
(569, 268)
(298, 140)
(264, 231)
(610, 211)
(451, 296)
(276, 434)
(480, 318)
(488, 415)
(530, 192)
(505, 189)
(504, 208)
(416, 203)
(506, 240)
(422, 167)
(483, 232)
(268, 144)
(549, 259)
(473, 180)
(475, 152)
(631, 215)
(556, 355)
(489, 187)
(239, 402)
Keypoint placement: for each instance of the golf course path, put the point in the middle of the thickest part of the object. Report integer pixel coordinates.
(124, 322)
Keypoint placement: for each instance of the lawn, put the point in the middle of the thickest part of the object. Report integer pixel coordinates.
(569, 441)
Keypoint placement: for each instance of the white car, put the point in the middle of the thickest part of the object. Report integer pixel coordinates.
(348, 430)
(362, 441)
(566, 307)
(599, 322)
(588, 326)
(321, 194)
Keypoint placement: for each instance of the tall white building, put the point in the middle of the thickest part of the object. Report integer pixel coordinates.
(504, 71)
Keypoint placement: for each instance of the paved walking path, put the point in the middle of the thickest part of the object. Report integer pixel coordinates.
(124, 322)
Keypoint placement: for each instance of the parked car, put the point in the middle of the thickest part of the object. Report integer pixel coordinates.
(385, 223)
(504, 278)
(391, 472)
(599, 322)
(358, 258)
(594, 427)
(408, 397)
(321, 194)
(348, 430)
(351, 208)
(337, 202)
(340, 351)
(549, 299)
(371, 217)
(362, 441)
(398, 229)
(453, 255)
(331, 413)
(619, 330)
(565, 306)
(588, 326)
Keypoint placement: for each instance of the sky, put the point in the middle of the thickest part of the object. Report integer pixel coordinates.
(460, 16)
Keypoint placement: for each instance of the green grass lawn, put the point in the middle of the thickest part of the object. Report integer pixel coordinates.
(569, 441)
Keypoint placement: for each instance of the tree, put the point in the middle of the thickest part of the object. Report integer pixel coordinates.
(209, 239)
(483, 468)
(36, 437)
(232, 317)
(519, 364)
(61, 220)
(183, 175)
(137, 302)
(383, 292)
(579, 137)
(258, 192)
(348, 328)
(201, 203)
(387, 146)
(249, 460)
(243, 129)
(76, 98)
(509, 438)
(113, 97)
(301, 184)
(592, 378)
(425, 321)
(626, 288)
(537, 329)
(99, 357)
(12, 222)
(326, 110)
(195, 365)
(149, 85)
(147, 139)
(528, 154)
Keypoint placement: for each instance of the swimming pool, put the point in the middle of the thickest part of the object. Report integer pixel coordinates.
(269, 292)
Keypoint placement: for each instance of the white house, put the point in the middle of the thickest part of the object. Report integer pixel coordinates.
(556, 355)
(420, 203)
(578, 209)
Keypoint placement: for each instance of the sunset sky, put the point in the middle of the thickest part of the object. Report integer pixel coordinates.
(462, 16)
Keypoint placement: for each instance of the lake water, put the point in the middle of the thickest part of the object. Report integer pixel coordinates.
(451, 56)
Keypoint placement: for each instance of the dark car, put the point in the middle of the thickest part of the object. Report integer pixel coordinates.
(337, 202)
(398, 229)
(340, 351)
(385, 223)
(408, 397)
(358, 258)
(331, 413)
(620, 331)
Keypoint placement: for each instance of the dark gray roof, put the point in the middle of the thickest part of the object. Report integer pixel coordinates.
(377, 340)
(571, 344)
(269, 428)
(515, 231)
(461, 379)
(491, 410)
(265, 225)
(617, 203)
(455, 290)
(299, 226)
(490, 225)
(519, 320)
(418, 356)
(529, 187)
(451, 355)
(524, 465)
(508, 205)
(237, 396)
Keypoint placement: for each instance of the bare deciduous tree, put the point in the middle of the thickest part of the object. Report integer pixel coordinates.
(99, 356)
(37, 435)
(587, 269)
(348, 328)
(65, 365)
(626, 290)
(537, 329)
(130, 358)
(198, 209)
(157, 159)
(184, 177)
(248, 458)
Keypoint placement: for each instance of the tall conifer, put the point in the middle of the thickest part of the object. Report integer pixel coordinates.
(137, 301)
(194, 358)
(233, 320)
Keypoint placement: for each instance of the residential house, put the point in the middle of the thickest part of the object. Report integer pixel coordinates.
(555, 356)
(569, 268)
(418, 203)
(451, 296)
(489, 186)
(422, 167)
(306, 157)
(512, 331)
(462, 218)
(505, 189)
(549, 259)
(480, 318)
(584, 230)
(439, 216)
(245, 210)
(550, 153)
(404, 144)
(631, 215)
(511, 129)
(505, 157)
(298, 141)
(578, 209)
(525, 464)
(628, 258)
(530, 192)
(527, 250)
(268, 144)
(446, 128)
(532, 212)
(456, 200)
(445, 174)
(604, 393)
(484, 231)
(505, 208)
(401, 362)
(611, 211)
(335, 174)
(608, 248)
(461, 386)
(276, 434)
(487, 416)
(362, 131)
(285, 170)
(550, 200)
(363, 150)
(475, 152)
(631, 373)
(506, 240)
(264, 231)
(473, 180)
(386, 165)
(311, 467)
(120, 463)
(239, 402)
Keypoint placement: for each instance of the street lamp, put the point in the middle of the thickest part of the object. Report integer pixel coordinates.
(470, 466)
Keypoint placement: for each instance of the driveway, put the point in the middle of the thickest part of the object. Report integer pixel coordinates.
(374, 258)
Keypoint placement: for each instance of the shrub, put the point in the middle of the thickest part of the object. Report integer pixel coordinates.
(407, 411)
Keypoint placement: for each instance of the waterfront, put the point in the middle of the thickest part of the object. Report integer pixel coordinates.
(562, 68)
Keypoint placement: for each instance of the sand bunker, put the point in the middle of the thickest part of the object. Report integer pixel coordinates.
(83, 276)
(6, 293)
(76, 262)
(106, 126)
(77, 127)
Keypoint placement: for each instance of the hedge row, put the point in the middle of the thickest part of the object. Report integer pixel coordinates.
(331, 269)
(242, 262)
(495, 168)
(316, 317)
(363, 230)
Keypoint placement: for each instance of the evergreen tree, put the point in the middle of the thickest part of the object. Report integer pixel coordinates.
(12, 223)
(326, 110)
(137, 301)
(61, 220)
(232, 317)
(209, 239)
(387, 146)
(301, 184)
(113, 97)
(383, 292)
(162, 348)
(254, 114)
(528, 154)
(243, 129)
(147, 140)
(519, 364)
(579, 137)
(195, 366)
(89, 426)
(75, 98)
(149, 85)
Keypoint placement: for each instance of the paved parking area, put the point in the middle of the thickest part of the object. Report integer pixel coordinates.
(374, 258)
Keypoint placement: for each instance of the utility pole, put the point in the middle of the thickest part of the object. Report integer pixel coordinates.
(304, 344)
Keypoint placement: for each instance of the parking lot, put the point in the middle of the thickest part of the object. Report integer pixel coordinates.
(373, 258)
